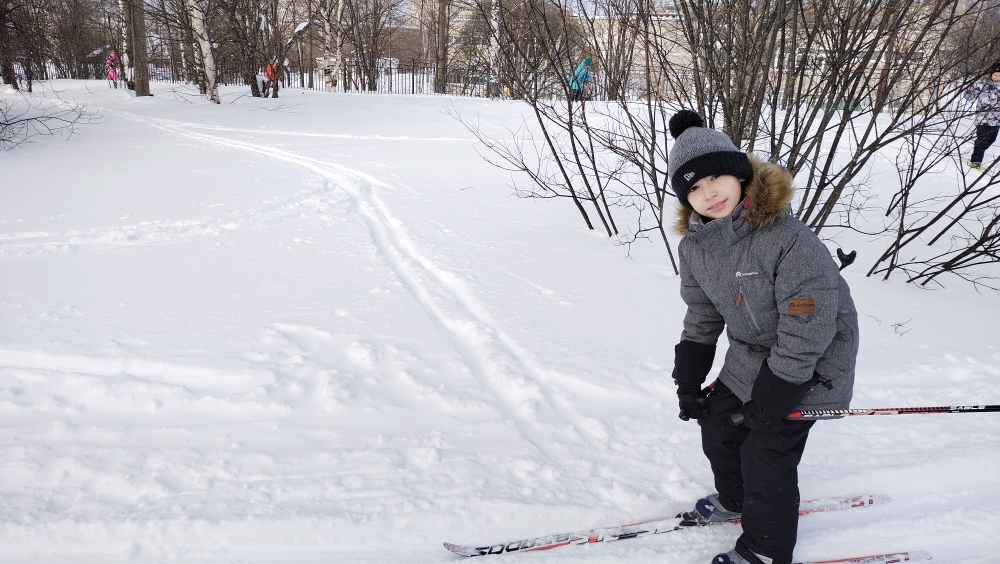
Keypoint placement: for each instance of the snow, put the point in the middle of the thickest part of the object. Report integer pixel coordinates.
(320, 329)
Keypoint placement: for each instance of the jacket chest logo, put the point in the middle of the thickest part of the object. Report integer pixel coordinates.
(746, 274)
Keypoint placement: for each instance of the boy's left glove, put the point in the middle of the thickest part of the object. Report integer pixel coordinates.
(771, 399)
(692, 363)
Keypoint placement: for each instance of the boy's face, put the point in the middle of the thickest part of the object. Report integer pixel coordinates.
(995, 77)
(715, 196)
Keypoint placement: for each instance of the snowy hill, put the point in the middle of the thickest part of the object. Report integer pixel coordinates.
(320, 329)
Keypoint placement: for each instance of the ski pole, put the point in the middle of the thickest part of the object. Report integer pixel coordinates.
(839, 413)
(816, 414)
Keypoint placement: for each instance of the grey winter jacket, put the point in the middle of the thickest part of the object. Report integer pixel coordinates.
(771, 283)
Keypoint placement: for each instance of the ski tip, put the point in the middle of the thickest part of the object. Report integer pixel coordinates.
(880, 498)
(889, 558)
(461, 550)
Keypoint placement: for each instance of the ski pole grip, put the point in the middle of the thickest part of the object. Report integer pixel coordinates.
(736, 419)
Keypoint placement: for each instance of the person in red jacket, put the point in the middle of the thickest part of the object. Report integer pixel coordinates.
(270, 75)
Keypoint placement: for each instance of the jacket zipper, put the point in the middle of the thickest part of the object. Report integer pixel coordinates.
(739, 300)
(739, 296)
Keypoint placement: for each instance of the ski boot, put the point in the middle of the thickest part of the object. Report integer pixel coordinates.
(707, 511)
(733, 557)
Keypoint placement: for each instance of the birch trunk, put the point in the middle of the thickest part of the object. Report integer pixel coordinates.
(333, 44)
(205, 46)
(492, 87)
(126, 9)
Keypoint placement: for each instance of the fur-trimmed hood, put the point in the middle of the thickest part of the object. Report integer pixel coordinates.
(770, 193)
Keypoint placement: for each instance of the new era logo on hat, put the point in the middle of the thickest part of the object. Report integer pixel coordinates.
(688, 176)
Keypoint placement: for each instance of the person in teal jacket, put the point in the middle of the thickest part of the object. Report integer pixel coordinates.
(580, 78)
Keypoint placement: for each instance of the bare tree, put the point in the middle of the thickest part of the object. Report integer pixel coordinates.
(371, 23)
(334, 34)
(24, 119)
(606, 155)
(540, 45)
(441, 55)
(244, 26)
(206, 54)
(135, 24)
(23, 39)
(951, 233)
(821, 86)
(809, 81)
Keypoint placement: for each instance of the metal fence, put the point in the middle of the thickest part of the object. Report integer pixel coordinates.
(391, 77)
(397, 77)
(49, 70)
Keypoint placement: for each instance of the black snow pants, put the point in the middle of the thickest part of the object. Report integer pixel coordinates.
(985, 136)
(756, 473)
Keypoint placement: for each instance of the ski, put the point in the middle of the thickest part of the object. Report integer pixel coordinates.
(979, 168)
(889, 558)
(647, 528)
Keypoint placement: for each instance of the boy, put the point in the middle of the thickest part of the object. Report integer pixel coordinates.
(751, 267)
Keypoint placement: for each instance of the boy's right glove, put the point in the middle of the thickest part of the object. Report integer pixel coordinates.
(772, 398)
(693, 403)
(692, 363)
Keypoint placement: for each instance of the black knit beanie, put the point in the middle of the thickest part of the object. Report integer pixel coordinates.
(699, 152)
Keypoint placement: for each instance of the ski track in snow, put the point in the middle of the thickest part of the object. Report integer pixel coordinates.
(162, 372)
(518, 398)
(326, 135)
(33, 244)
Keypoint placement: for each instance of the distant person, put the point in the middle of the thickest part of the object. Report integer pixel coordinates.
(987, 97)
(270, 74)
(111, 66)
(580, 78)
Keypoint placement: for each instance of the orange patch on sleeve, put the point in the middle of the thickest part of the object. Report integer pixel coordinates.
(801, 306)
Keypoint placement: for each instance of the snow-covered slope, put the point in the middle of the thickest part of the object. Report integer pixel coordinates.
(320, 329)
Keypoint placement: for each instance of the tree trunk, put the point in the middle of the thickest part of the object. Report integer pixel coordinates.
(248, 49)
(312, 60)
(140, 60)
(9, 77)
(339, 60)
(6, 58)
(250, 71)
(492, 85)
(205, 46)
(29, 72)
(441, 72)
(126, 58)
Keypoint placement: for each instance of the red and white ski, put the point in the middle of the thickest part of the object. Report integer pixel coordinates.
(890, 558)
(647, 528)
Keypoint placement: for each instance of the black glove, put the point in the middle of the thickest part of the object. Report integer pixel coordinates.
(772, 398)
(757, 420)
(692, 363)
(693, 402)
